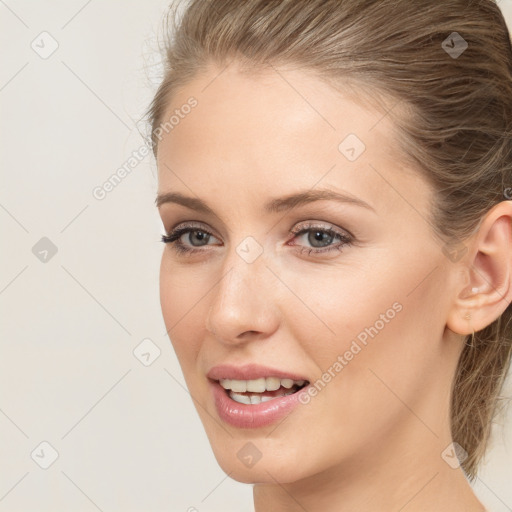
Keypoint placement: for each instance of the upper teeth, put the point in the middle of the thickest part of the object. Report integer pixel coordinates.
(259, 385)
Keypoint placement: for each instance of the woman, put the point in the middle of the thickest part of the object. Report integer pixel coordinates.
(334, 184)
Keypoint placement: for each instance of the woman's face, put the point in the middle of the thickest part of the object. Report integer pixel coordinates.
(352, 292)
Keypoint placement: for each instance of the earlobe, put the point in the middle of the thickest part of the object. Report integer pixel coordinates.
(487, 290)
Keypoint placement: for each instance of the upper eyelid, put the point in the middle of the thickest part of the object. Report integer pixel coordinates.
(189, 226)
(329, 226)
(304, 224)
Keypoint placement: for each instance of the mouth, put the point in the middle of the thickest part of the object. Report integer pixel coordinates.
(263, 389)
(253, 395)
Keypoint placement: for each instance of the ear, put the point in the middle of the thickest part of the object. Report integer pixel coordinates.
(486, 290)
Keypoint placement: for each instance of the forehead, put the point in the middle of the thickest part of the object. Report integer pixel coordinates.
(270, 102)
(278, 130)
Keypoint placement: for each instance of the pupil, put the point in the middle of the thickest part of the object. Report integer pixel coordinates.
(201, 235)
(319, 236)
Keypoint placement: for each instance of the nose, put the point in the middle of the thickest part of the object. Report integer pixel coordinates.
(242, 305)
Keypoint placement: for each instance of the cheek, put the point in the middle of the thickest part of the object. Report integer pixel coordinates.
(384, 349)
(181, 306)
(331, 306)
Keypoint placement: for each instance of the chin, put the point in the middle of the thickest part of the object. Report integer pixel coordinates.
(272, 468)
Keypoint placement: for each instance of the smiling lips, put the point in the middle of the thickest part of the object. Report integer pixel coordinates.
(253, 396)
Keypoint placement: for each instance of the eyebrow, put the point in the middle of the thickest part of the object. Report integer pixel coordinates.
(275, 205)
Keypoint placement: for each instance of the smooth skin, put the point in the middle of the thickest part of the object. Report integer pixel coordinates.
(372, 439)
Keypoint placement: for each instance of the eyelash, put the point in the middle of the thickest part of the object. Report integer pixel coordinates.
(174, 236)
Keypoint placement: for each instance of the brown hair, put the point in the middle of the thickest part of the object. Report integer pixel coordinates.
(454, 118)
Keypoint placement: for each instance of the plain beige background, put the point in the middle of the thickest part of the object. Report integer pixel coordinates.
(79, 280)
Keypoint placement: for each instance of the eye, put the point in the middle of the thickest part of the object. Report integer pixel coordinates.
(320, 238)
(196, 234)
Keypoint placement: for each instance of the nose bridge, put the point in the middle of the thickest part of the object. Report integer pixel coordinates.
(241, 300)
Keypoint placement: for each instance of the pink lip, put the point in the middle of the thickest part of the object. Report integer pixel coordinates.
(249, 372)
(257, 415)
